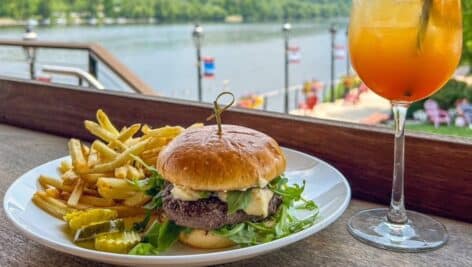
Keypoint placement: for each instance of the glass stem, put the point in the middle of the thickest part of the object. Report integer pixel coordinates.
(397, 213)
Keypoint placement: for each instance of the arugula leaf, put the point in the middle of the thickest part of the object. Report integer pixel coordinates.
(152, 235)
(152, 186)
(291, 194)
(238, 200)
(281, 224)
(168, 234)
(158, 239)
(143, 249)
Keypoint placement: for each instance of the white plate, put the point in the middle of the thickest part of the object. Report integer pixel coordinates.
(324, 184)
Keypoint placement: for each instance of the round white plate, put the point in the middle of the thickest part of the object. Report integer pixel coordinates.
(324, 184)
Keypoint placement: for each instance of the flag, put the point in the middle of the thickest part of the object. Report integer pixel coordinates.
(209, 67)
(294, 55)
(339, 52)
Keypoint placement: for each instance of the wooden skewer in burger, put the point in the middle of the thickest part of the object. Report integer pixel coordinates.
(217, 175)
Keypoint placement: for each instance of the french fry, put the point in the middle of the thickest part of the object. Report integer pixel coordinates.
(85, 150)
(105, 122)
(91, 192)
(101, 133)
(93, 158)
(120, 159)
(54, 210)
(81, 206)
(134, 173)
(137, 200)
(121, 172)
(113, 188)
(151, 152)
(125, 211)
(65, 166)
(129, 132)
(53, 192)
(104, 150)
(166, 131)
(78, 159)
(47, 181)
(76, 193)
(86, 180)
(96, 201)
(124, 136)
(132, 141)
(145, 129)
(69, 177)
(91, 178)
(52, 200)
(156, 142)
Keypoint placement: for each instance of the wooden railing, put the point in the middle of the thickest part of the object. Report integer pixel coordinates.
(95, 53)
(438, 169)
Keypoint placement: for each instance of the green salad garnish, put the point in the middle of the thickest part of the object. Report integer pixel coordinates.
(281, 224)
(160, 236)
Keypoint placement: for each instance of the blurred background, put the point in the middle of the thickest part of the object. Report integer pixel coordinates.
(257, 49)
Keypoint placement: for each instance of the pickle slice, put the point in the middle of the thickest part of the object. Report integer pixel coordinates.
(117, 242)
(79, 219)
(92, 230)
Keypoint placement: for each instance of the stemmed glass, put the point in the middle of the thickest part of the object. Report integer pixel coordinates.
(404, 50)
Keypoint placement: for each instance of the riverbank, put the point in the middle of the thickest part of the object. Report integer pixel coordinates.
(75, 21)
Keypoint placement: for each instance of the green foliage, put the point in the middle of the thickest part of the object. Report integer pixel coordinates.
(467, 18)
(443, 130)
(158, 239)
(238, 200)
(281, 224)
(446, 97)
(178, 10)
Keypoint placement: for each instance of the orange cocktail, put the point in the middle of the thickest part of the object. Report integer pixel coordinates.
(404, 50)
(391, 57)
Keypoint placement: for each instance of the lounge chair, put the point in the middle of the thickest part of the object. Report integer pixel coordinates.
(435, 114)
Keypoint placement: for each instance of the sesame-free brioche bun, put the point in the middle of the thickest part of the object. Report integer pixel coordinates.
(240, 158)
(204, 239)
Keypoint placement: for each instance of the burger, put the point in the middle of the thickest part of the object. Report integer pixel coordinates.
(214, 181)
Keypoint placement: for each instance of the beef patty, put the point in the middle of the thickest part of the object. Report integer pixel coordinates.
(207, 214)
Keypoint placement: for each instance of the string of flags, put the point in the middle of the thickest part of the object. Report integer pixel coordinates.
(294, 57)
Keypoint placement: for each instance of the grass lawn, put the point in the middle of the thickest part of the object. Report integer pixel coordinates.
(443, 130)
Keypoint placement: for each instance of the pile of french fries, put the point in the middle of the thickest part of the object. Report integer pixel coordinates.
(98, 175)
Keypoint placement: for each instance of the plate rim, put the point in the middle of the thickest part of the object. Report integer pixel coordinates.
(217, 256)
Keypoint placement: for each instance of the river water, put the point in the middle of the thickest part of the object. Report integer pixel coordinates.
(248, 56)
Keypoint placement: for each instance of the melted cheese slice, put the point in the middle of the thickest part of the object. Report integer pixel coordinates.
(184, 193)
(258, 204)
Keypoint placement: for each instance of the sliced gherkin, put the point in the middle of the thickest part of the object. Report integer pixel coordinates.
(92, 230)
(79, 219)
(121, 242)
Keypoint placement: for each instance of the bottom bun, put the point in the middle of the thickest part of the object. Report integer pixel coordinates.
(204, 239)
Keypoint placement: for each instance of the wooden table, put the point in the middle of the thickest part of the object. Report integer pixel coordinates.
(21, 150)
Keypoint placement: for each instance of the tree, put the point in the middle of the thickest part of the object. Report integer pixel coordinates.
(467, 22)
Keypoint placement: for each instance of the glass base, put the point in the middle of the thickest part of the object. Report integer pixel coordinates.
(419, 233)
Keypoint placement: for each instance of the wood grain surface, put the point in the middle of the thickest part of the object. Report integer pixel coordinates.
(21, 150)
(438, 169)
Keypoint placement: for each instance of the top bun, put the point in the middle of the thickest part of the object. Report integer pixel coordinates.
(200, 159)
